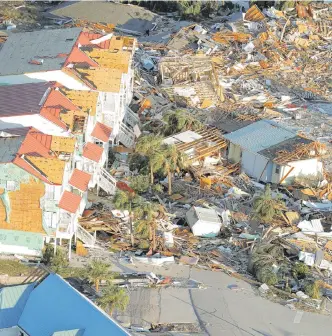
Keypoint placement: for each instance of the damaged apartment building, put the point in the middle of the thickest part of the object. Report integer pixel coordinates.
(64, 96)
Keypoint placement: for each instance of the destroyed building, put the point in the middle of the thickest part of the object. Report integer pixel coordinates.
(59, 116)
(77, 60)
(203, 222)
(271, 153)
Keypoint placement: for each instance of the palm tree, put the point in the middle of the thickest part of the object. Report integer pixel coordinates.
(97, 271)
(265, 207)
(113, 297)
(173, 161)
(126, 200)
(179, 121)
(146, 225)
(150, 146)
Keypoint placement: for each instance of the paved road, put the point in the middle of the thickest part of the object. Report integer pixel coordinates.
(225, 312)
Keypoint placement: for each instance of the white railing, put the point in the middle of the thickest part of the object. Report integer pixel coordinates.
(126, 136)
(85, 236)
(106, 181)
(131, 118)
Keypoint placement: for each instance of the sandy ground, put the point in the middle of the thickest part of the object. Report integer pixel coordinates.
(124, 16)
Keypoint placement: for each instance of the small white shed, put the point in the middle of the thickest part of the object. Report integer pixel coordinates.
(203, 222)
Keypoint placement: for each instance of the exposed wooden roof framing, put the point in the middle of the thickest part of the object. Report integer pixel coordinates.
(210, 142)
(301, 152)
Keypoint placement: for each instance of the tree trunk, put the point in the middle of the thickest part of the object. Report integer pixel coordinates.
(97, 285)
(169, 183)
(151, 175)
(132, 241)
(153, 237)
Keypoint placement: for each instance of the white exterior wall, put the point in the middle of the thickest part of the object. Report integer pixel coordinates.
(35, 120)
(20, 250)
(254, 164)
(301, 168)
(234, 153)
(46, 76)
(14, 331)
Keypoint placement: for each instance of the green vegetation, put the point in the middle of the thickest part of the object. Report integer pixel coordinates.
(113, 298)
(265, 207)
(97, 271)
(173, 161)
(139, 183)
(313, 290)
(13, 268)
(266, 275)
(56, 262)
(300, 270)
(150, 147)
(180, 121)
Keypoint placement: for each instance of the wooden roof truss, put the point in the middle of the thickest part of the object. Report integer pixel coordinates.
(210, 143)
(301, 152)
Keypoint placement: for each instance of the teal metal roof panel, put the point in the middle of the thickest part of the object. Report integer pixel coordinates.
(33, 241)
(74, 332)
(54, 305)
(260, 135)
(12, 303)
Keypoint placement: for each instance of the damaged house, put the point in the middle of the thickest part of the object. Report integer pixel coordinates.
(203, 148)
(271, 153)
(76, 60)
(42, 194)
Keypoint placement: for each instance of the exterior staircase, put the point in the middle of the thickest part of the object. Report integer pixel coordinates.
(106, 181)
(85, 236)
(131, 118)
(126, 136)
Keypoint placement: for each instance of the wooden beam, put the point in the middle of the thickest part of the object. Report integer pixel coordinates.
(285, 176)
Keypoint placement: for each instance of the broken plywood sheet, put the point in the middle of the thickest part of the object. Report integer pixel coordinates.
(25, 211)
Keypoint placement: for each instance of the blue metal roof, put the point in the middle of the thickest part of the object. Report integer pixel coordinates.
(54, 306)
(12, 302)
(259, 135)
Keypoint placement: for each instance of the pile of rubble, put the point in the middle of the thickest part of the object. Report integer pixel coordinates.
(229, 74)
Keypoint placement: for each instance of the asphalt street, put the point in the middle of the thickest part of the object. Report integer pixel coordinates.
(219, 310)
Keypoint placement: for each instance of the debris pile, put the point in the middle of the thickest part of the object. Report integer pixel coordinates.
(247, 103)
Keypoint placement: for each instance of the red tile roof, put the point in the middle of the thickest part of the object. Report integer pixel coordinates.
(34, 145)
(93, 36)
(101, 132)
(70, 202)
(92, 151)
(79, 56)
(80, 180)
(56, 99)
(53, 115)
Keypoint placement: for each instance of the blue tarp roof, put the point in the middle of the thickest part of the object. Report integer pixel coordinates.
(259, 135)
(12, 303)
(54, 305)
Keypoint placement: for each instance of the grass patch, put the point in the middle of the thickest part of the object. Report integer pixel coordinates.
(14, 268)
(72, 272)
